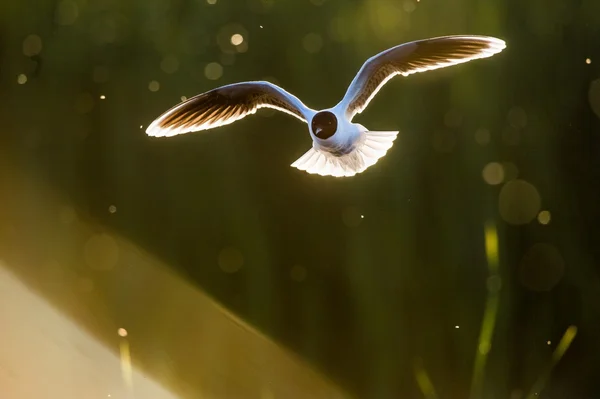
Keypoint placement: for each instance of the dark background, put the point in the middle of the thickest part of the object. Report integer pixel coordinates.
(362, 298)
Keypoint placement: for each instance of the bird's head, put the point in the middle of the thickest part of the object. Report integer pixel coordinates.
(324, 124)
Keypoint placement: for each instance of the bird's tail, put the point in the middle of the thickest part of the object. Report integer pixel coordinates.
(367, 152)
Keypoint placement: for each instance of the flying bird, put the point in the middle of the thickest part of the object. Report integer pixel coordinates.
(339, 147)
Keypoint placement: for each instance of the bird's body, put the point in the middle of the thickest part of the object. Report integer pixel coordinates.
(340, 147)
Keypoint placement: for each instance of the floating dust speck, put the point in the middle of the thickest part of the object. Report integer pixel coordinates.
(544, 217)
(183, 98)
(443, 141)
(312, 43)
(588, 61)
(102, 97)
(112, 209)
(211, 2)
(493, 173)
(517, 117)
(154, 86)
(482, 136)
(541, 268)
(22, 79)
(351, 216)
(549, 342)
(32, 45)
(519, 202)
(122, 332)
(457, 327)
(169, 64)
(213, 71)
(298, 273)
(230, 260)
(101, 252)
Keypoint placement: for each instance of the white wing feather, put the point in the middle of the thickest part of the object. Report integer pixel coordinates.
(225, 105)
(413, 57)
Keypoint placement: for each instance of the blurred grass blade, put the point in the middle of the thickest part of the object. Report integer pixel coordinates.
(491, 310)
(558, 353)
(425, 384)
(126, 365)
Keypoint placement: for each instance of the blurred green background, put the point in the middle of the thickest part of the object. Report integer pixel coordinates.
(367, 278)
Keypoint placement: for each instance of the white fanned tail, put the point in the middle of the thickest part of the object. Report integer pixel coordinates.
(367, 152)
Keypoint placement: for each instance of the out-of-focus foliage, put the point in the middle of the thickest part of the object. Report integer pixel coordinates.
(364, 277)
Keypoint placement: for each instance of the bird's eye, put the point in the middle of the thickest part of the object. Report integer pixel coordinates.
(324, 125)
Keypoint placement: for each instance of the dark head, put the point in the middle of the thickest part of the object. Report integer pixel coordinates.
(324, 124)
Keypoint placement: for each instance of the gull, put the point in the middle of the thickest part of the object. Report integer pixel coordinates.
(339, 147)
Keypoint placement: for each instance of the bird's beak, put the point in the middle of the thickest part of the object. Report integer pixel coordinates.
(317, 131)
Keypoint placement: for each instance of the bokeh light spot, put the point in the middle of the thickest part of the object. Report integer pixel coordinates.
(154, 86)
(230, 260)
(169, 64)
(213, 71)
(519, 202)
(32, 45)
(232, 38)
(482, 136)
(588, 61)
(544, 217)
(66, 12)
(312, 43)
(237, 39)
(101, 252)
(112, 209)
(493, 173)
(22, 79)
(541, 268)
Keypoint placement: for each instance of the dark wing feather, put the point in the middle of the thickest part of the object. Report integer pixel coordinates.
(408, 58)
(224, 105)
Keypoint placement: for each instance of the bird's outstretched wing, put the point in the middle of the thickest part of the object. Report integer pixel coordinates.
(408, 58)
(224, 105)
